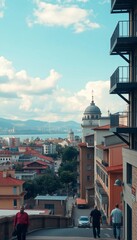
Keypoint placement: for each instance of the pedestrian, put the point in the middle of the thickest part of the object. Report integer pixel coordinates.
(21, 223)
(116, 219)
(96, 220)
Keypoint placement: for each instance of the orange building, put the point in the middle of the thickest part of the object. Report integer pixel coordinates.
(86, 170)
(109, 167)
(11, 190)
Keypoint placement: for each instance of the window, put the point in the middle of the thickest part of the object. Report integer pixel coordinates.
(14, 190)
(88, 178)
(129, 174)
(106, 180)
(89, 167)
(89, 156)
(14, 202)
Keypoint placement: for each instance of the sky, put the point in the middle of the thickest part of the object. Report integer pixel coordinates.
(54, 56)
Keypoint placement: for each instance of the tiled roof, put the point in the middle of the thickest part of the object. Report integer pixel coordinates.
(82, 144)
(36, 161)
(9, 181)
(105, 127)
(101, 146)
(35, 153)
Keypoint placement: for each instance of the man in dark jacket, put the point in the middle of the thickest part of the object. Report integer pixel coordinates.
(96, 219)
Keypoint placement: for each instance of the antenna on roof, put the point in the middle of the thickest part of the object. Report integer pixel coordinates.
(92, 96)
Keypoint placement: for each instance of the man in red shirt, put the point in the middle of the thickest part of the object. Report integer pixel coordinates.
(21, 223)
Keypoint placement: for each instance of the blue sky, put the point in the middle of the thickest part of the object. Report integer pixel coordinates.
(53, 53)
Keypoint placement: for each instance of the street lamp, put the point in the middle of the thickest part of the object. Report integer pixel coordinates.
(118, 183)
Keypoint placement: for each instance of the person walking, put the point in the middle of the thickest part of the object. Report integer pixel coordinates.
(96, 220)
(21, 223)
(116, 219)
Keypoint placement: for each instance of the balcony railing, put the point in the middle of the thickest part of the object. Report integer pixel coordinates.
(104, 163)
(123, 29)
(119, 118)
(121, 75)
(101, 193)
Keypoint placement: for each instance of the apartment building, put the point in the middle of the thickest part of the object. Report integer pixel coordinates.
(109, 167)
(123, 82)
(11, 190)
(86, 170)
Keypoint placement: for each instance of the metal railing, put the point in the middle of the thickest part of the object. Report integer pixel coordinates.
(119, 118)
(123, 29)
(121, 75)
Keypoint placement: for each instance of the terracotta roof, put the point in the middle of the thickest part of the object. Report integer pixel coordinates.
(36, 153)
(37, 161)
(105, 127)
(101, 146)
(82, 144)
(116, 168)
(9, 181)
(35, 168)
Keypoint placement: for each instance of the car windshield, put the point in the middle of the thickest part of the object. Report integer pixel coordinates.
(84, 219)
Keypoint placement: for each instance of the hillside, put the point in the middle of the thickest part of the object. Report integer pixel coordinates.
(8, 126)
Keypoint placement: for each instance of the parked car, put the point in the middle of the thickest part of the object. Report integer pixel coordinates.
(84, 221)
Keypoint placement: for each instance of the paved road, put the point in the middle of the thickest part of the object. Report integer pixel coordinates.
(69, 233)
(73, 233)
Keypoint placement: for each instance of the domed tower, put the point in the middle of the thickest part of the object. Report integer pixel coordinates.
(71, 136)
(91, 117)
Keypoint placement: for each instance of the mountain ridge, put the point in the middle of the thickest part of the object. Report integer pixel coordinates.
(36, 126)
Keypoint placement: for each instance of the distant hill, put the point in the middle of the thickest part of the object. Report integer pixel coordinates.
(8, 126)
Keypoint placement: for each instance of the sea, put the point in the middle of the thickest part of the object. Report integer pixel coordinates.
(41, 136)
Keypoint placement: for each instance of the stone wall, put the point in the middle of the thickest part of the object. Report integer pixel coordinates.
(36, 222)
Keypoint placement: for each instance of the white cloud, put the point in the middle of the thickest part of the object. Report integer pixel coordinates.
(25, 97)
(63, 16)
(104, 1)
(2, 6)
(21, 83)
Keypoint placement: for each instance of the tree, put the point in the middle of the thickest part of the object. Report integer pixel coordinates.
(68, 169)
(69, 154)
(46, 184)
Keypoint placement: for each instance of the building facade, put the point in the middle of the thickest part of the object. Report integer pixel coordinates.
(11, 190)
(109, 167)
(124, 83)
(91, 119)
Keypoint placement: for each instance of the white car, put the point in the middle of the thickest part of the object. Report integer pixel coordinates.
(84, 222)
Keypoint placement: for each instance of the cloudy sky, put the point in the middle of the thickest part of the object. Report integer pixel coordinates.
(53, 54)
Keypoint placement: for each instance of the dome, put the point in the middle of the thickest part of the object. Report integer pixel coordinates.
(92, 109)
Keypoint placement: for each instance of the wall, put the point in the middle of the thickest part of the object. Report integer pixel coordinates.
(130, 156)
(59, 206)
(36, 222)
(134, 206)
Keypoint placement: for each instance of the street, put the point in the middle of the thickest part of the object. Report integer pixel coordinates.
(74, 232)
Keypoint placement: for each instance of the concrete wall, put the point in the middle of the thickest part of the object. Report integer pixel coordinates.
(36, 222)
(130, 156)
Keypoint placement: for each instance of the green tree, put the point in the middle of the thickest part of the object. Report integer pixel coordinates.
(68, 169)
(69, 154)
(46, 184)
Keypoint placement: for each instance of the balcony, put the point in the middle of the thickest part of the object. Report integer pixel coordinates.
(124, 39)
(104, 163)
(120, 81)
(102, 195)
(119, 125)
(121, 6)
